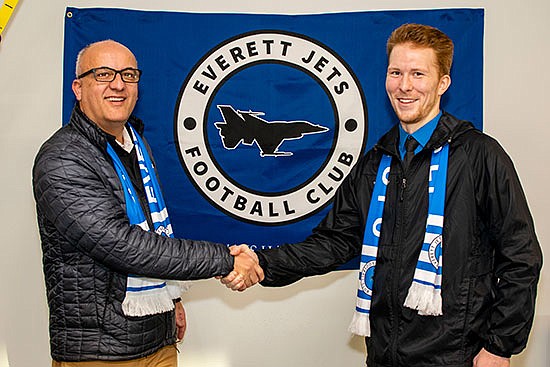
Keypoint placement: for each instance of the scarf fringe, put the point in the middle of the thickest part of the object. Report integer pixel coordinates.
(176, 288)
(425, 299)
(360, 324)
(146, 304)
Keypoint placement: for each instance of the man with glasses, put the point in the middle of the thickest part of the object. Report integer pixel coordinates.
(106, 236)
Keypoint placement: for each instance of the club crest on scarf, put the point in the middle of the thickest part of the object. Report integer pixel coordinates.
(366, 277)
(268, 124)
(434, 251)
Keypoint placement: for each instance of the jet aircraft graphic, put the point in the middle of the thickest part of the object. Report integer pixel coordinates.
(247, 127)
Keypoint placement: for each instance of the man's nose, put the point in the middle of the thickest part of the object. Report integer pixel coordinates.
(406, 83)
(117, 82)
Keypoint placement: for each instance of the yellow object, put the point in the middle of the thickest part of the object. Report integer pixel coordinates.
(5, 13)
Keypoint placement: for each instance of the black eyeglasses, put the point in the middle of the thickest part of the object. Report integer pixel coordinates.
(107, 74)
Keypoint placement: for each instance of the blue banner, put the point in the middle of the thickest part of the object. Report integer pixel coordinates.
(255, 120)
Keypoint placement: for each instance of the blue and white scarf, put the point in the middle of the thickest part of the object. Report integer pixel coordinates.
(425, 291)
(146, 296)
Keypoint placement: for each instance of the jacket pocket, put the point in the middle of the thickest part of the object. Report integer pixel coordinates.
(480, 300)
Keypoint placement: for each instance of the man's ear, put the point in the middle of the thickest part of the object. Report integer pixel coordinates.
(444, 84)
(77, 89)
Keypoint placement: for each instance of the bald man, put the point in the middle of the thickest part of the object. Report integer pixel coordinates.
(110, 259)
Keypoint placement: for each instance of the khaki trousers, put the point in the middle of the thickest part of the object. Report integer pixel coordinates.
(164, 357)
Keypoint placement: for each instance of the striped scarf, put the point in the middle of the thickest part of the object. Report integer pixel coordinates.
(424, 294)
(145, 296)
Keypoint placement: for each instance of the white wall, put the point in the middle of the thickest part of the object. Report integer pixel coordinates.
(300, 325)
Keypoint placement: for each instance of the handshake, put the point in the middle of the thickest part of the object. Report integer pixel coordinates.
(246, 270)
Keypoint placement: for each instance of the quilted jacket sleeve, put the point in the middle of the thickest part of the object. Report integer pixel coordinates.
(79, 195)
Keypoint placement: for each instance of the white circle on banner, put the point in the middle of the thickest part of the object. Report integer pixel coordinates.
(194, 103)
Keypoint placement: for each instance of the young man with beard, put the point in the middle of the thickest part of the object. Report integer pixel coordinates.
(449, 256)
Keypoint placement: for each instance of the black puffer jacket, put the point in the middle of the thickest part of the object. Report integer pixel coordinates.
(89, 247)
(491, 256)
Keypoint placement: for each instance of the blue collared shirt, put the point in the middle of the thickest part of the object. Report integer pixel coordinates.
(421, 135)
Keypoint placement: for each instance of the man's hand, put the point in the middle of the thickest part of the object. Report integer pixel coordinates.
(181, 322)
(247, 270)
(486, 359)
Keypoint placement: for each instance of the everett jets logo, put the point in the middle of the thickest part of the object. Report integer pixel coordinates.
(434, 251)
(367, 277)
(268, 124)
(248, 128)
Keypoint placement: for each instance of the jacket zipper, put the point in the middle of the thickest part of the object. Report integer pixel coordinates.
(396, 275)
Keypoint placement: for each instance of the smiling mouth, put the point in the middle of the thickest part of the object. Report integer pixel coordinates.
(406, 100)
(115, 99)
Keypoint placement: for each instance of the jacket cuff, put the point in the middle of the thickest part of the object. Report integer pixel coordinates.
(263, 264)
(230, 264)
(494, 350)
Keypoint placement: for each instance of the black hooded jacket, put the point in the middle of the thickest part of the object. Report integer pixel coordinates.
(89, 247)
(491, 256)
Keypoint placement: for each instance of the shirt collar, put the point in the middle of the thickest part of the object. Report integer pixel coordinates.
(421, 135)
(128, 142)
